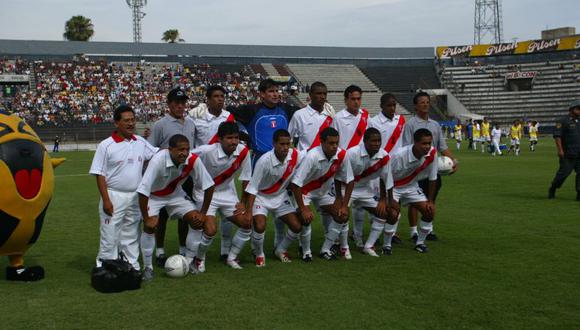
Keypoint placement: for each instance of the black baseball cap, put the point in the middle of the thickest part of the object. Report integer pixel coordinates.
(177, 94)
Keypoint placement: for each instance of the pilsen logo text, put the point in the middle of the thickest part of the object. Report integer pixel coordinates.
(455, 51)
(538, 46)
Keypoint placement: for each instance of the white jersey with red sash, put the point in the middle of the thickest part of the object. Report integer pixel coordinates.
(366, 168)
(306, 125)
(223, 168)
(163, 179)
(350, 128)
(408, 170)
(206, 126)
(391, 131)
(317, 173)
(271, 177)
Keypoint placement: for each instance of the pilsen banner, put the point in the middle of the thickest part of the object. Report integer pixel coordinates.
(516, 48)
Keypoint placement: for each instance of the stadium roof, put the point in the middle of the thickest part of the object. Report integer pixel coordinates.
(37, 47)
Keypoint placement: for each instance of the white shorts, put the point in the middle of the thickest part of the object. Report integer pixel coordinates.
(409, 195)
(177, 205)
(279, 205)
(363, 198)
(318, 201)
(223, 202)
(515, 142)
(533, 139)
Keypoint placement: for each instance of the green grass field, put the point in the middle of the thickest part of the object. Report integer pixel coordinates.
(506, 258)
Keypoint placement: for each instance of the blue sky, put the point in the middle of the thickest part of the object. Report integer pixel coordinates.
(354, 23)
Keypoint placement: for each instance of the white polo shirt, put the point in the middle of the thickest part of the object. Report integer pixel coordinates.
(206, 126)
(496, 134)
(315, 165)
(404, 163)
(269, 170)
(217, 162)
(360, 161)
(121, 160)
(305, 125)
(387, 126)
(345, 123)
(162, 171)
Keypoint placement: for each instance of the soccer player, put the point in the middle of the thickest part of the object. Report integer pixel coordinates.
(421, 120)
(370, 162)
(458, 134)
(118, 167)
(312, 183)
(351, 124)
(476, 134)
(207, 118)
(408, 165)
(485, 134)
(174, 122)
(267, 193)
(391, 126)
(161, 187)
(224, 162)
(496, 139)
(515, 135)
(533, 135)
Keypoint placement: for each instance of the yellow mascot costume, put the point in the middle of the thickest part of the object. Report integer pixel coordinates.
(25, 192)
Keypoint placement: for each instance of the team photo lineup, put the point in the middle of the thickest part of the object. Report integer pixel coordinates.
(289, 162)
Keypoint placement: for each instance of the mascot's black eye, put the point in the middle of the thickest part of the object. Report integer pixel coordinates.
(5, 129)
(21, 128)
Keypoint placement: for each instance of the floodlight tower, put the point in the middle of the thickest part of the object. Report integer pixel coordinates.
(488, 23)
(138, 14)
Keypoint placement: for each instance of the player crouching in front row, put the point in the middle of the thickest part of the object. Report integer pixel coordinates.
(267, 193)
(313, 183)
(224, 161)
(161, 187)
(410, 164)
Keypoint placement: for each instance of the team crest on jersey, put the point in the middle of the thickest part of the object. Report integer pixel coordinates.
(273, 123)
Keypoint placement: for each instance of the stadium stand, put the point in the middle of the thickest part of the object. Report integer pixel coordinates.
(483, 90)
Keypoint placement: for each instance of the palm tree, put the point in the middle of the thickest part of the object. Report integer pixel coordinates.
(78, 28)
(171, 36)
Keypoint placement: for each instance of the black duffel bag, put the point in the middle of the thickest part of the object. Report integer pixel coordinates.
(115, 275)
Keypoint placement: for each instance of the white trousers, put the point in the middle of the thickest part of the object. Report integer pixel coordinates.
(496, 147)
(120, 232)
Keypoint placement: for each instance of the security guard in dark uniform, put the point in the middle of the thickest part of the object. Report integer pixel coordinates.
(567, 138)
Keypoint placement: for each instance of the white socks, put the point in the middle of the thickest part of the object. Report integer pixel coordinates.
(192, 242)
(240, 239)
(258, 244)
(389, 231)
(203, 246)
(226, 228)
(305, 236)
(288, 239)
(278, 231)
(358, 215)
(425, 229)
(147, 247)
(376, 229)
(334, 230)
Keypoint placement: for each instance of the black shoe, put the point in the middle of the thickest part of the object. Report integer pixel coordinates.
(387, 250)
(307, 257)
(160, 259)
(396, 239)
(25, 274)
(327, 256)
(431, 237)
(335, 249)
(223, 257)
(421, 248)
(552, 193)
(414, 238)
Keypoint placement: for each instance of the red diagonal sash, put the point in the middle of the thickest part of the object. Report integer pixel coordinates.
(289, 169)
(360, 129)
(215, 138)
(317, 183)
(232, 169)
(325, 124)
(396, 134)
(428, 160)
(173, 184)
(372, 169)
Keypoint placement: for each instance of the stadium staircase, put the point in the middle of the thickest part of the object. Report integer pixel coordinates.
(270, 69)
(403, 81)
(258, 69)
(482, 91)
(337, 77)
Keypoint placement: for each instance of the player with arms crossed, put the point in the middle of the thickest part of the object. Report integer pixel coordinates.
(410, 164)
(161, 187)
(224, 162)
(267, 193)
(312, 183)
